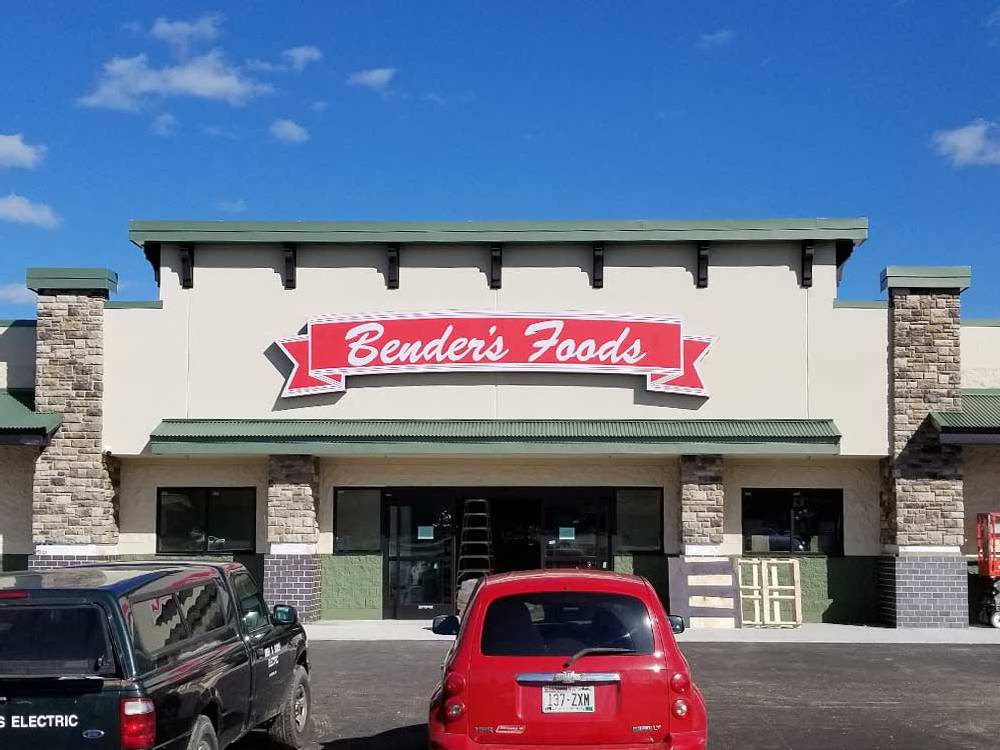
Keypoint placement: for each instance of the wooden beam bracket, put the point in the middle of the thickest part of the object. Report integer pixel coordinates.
(187, 265)
(701, 278)
(496, 265)
(290, 251)
(808, 254)
(392, 268)
(597, 277)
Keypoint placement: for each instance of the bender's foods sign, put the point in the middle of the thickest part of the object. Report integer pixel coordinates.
(336, 346)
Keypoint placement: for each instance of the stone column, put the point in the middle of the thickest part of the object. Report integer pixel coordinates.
(923, 578)
(74, 518)
(702, 582)
(291, 567)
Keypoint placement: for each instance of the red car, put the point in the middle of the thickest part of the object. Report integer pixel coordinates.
(565, 659)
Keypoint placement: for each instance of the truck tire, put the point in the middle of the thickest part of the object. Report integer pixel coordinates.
(203, 735)
(291, 728)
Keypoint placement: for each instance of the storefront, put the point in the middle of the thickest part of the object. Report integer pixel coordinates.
(367, 414)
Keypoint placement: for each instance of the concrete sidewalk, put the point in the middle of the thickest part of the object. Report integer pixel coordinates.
(420, 630)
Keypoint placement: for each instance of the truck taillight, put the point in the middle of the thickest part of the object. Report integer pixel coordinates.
(454, 684)
(138, 723)
(13, 594)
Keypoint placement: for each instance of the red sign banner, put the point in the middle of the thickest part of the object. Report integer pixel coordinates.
(336, 346)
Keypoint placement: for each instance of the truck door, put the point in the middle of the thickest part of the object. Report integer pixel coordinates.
(270, 656)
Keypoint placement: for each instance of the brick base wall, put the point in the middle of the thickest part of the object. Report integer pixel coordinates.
(924, 591)
(295, 580)
(39, 562)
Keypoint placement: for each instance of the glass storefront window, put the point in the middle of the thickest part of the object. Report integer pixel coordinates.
(357, 520)
(793, 521)
(206, 519)
(639, 517)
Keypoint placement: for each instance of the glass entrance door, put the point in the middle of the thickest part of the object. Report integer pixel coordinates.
(576, 529)
(419, 554)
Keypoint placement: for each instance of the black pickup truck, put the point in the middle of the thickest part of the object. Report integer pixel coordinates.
(135, 656)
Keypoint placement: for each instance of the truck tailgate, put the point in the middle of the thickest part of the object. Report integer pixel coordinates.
(52, 714)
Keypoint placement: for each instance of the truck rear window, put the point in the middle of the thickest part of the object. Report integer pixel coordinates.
(58, 640)
(561, 623)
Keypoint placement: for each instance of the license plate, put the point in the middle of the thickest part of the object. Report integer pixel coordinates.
(568, 700)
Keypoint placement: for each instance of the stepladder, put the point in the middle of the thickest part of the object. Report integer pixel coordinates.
(770, 592)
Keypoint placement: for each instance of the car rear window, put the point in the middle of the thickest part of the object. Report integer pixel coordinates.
(64, 641)
(564, 622)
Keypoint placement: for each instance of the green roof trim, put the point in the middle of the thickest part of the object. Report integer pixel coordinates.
(134, 305)
(20, 423)
(977, 422)
(875, 304)
(486, 436)
(927, 277)
(535, 232)
(981, 322)
(96, 279)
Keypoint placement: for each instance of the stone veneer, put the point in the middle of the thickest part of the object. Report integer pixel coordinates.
(922, 515)
(291, 567)
(702, 500)
(72, 492)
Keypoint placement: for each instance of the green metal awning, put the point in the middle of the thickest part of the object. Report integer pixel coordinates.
(977, 422)
(20, 424)
(495, 436)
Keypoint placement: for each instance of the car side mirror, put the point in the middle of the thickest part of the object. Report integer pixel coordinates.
(445, 625)
(676, 624)
(284, 614)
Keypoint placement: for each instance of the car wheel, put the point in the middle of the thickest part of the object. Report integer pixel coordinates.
(290, 729)
(203, 735)
(995, 619)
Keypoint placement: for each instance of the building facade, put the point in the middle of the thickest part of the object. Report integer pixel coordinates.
(330, 403)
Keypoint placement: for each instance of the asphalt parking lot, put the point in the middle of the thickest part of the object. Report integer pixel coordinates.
(373, 695)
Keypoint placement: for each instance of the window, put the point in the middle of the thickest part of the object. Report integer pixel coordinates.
(252, 607)
(202, 609)
(62, 640)
(793, 521)
(639, 520)
(206, 519)
(357, 520)
(156, 626)
(561, 623)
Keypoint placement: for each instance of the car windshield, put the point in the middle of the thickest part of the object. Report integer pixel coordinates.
(563, 623)
(65, 641)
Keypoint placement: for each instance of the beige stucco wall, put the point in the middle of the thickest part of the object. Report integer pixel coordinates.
(141, 477)
(982, 488)
(981, 356)
(17, 466)
(17, 356)
(858, 478)
(782, 351)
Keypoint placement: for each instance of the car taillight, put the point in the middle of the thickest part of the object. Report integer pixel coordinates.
(453, 710)
(138, 724)
(680, 682)
(13, 594)
(680, 708)
(454, 684)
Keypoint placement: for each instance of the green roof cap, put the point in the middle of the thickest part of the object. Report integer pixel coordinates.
(977, 422)
(927, 277)
(97, 279)
(18, 417)
(375, 436)
(854, 229)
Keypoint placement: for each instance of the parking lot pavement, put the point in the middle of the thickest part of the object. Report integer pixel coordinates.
(373, 695)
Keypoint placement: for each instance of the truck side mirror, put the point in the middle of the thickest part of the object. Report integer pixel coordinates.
(284, 614)
(445, 625)
(676, 624)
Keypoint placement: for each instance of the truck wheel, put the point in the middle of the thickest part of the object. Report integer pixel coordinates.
(203, 735)
(291, 727)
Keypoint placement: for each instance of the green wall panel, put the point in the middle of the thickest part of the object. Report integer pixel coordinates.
(351, 587)
(839, 589)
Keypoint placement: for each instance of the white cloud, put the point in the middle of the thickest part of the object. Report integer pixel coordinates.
(237, 206)
(299, 57)
(319, 106)
(14, 152)
(126, 83)
(716, 39)
(263, 66)
(977, 143)
(435, 99)
(163, 125)
(289, 131)
(182, 34)
(16, 294)
(20, 210)
(376, 79)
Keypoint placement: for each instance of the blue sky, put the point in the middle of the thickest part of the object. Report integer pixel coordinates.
(490, 110)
